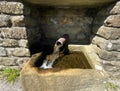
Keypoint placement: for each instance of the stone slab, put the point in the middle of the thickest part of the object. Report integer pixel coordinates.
(82, 3)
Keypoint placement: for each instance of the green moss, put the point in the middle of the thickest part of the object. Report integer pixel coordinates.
(11, 74)
(111, 86)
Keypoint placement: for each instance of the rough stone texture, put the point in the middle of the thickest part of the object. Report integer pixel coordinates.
(17, 21)
(23, 43)
(108, 32)
(113, 21)
(106, 40)
(6, 61)
(19, 52)
(22, 61)
(61, 79)
(100, 42)
(14, 33)
(116, 9)
(11, 7)
(114, 45)
(2, 51)
(5, 21)
(8, 42)
(106, 55)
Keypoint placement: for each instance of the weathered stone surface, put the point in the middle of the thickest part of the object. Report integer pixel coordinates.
(19, 52)
(109, 56)
(11, 7)
(5, 20)
(70, 2)
(22, 61)
(23, 43)
(2, 67)
(114, 45)
(8, 42)
(3, 51)
(13, 33)
(100, 42)
(8, 61)
(116, 9)
(113, 21)
(18, 21)
(61, 79)
(109, 32)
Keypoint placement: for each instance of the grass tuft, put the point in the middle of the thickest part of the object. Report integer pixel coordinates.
(11, 74)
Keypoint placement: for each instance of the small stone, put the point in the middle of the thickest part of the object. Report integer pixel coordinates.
(3, 51)
(23, 43)
(11, 7)
(113, 21)
(18, 21)
(5, 21)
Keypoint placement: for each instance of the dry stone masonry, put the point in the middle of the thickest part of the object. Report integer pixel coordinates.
(22, 24)
(107, 37)
(13, 35)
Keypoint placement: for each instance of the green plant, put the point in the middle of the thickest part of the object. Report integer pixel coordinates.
(11, 74)
(111, 86)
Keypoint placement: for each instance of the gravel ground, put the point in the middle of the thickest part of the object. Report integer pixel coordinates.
(7, 86)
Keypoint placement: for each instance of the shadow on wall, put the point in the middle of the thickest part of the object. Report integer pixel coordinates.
(46, 24)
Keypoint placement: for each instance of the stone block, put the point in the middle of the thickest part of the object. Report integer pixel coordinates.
(3, 51)
(23, 43)
(106, 55)
(18, 52)
(100, 42)
(8, 42)
(109, 32)
(17, 21)
(114, 45)
(11, 7)
(57, 79)
(113, 21)
(22, 61)
(8, 61)
(116, 8)
(13, 33)
(2, 67)
(81, 3)
(5, 20)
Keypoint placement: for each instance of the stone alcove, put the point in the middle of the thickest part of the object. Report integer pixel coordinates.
(82, 24)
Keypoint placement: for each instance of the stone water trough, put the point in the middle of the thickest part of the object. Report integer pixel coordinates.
(91, 78)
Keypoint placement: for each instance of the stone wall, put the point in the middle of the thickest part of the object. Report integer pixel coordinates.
(106, 35)
(13, 35)
(22, 25)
